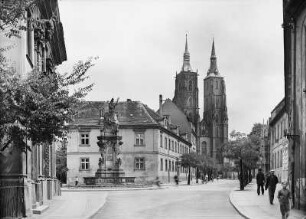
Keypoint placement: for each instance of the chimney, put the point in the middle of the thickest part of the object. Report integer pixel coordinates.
(160, 105)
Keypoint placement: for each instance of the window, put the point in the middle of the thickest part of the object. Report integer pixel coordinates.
(84, 138)
(169, 165)
(166, 165)
(190, 85)
(139, 163)
(172, 145)
(161, 164)
(169, 144)
(161, 140)
(139, 139)
(84, 164)
(216, 84)
(30, 41)
(166, 143)
(175, 149)
(173, 166)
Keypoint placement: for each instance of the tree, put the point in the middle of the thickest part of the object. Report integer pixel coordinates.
(205, 164)
(36, 108)
(61, 162)
(188, 161)
(13, 15)
(244, 148)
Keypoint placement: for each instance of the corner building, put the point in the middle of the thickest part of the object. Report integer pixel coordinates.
(214, 126)
(294, 22)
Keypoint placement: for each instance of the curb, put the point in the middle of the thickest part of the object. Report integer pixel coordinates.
(109, 190)
(230, 197)
(99, 208)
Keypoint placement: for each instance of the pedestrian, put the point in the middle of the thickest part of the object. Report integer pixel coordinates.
(76, 181)
(260, 180)
(176, 180)
(284, 198)
(157, 182)
(271, 183)
(206, 178)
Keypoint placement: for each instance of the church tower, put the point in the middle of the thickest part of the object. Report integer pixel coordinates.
(214, 126)
(186, 94)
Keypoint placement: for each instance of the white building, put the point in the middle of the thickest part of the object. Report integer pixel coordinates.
(151, 144)
(278, 125)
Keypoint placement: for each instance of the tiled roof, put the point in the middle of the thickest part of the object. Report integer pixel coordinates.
(129, 113)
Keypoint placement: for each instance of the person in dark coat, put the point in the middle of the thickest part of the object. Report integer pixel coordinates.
(271, 183)
(260, 180)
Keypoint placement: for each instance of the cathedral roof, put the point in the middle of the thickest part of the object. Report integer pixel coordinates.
(186, 62)
(177, 116)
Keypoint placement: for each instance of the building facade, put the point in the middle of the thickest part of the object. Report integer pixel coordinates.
(28, 176)
(264, 159)
(278, 124)
(294, 21)
(151, 146)
(214, 126)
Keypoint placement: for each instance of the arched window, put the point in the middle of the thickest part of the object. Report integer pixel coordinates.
(189, 101)
(204, 147)
(190, 85)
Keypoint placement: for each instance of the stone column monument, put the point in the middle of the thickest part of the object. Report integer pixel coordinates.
(109, 143)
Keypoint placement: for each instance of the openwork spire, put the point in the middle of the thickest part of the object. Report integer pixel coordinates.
(186, 63)
(213, 69)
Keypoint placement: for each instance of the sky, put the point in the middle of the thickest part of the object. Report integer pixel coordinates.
(140, 44)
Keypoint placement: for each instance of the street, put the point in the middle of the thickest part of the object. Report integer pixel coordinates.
(196, 201)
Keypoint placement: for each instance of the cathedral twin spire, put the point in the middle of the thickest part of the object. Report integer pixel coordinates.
(213, 69)
(186, 64)
(213, 60)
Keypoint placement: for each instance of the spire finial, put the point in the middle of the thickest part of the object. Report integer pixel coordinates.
(213, 61)
(186, 45)
(186, 64)
(213, 53)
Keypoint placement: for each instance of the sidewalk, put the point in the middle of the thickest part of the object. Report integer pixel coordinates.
(74, 205)
(253, 206)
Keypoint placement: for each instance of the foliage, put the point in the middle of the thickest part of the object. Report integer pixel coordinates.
(61, 162)
(189, 160)
(39, 105)
(13, 15)
(245, 147)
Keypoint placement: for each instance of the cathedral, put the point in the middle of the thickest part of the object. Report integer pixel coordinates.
(212, 130)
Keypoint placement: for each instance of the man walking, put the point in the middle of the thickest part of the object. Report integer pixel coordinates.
(284, 197)
(272, 180)
(260, 180)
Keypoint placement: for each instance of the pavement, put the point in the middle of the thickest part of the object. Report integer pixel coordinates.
(86, 202)
(253, 206)
(74, 205)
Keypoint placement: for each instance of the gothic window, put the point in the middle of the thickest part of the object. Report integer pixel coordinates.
(217, 85)
(189, 102)
(190, 85)
(204, 147)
